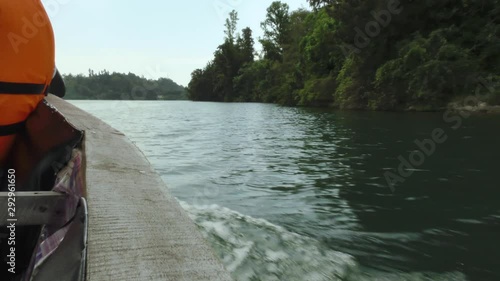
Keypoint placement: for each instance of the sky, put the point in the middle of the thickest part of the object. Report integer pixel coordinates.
(151, 38)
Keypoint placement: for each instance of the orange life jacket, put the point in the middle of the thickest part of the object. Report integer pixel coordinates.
(27, 57)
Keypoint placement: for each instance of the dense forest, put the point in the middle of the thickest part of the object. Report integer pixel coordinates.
(355, 54)
(118, 86)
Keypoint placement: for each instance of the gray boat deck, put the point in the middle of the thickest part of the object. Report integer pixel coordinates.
(137, 231)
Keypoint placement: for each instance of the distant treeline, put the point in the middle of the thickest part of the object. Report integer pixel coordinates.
(119, 86)
(377, 54)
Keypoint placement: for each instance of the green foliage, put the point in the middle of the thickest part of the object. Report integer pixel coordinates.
(245, 46)
(318, 92)
(251, 83)
(320, 58)
(119, 86)
(276, 30)
(347, 94)
(231, 23)
(421, 55)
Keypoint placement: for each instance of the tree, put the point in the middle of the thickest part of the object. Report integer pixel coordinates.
(276, 30)
(231, 25)
(317, 4)
(116, 86)
(246, 46)
(359, 55)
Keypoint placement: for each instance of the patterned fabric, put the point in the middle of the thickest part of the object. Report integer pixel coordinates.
(69, 181)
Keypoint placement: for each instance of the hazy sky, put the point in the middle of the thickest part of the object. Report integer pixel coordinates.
(154, 38)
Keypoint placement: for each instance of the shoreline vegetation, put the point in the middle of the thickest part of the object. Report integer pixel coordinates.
(119, 86)
(481, 108)
(394, 55)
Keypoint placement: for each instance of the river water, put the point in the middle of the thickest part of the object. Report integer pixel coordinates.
(301, 194)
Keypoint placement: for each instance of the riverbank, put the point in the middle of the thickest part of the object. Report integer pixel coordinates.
(479, 108)
(324, 56)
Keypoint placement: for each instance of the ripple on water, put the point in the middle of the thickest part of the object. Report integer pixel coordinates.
(283, 163)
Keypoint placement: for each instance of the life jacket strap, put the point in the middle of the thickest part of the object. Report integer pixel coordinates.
(21, 88)
(12, 129)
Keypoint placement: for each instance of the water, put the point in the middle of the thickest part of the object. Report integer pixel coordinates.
(300, 194)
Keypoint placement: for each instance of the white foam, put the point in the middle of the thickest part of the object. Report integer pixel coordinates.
(255, 249)
(239, 255)
(276, 255)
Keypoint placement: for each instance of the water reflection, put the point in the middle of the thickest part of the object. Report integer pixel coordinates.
(427, 211)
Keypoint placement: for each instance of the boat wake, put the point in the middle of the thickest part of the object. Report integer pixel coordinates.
(255, 249)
